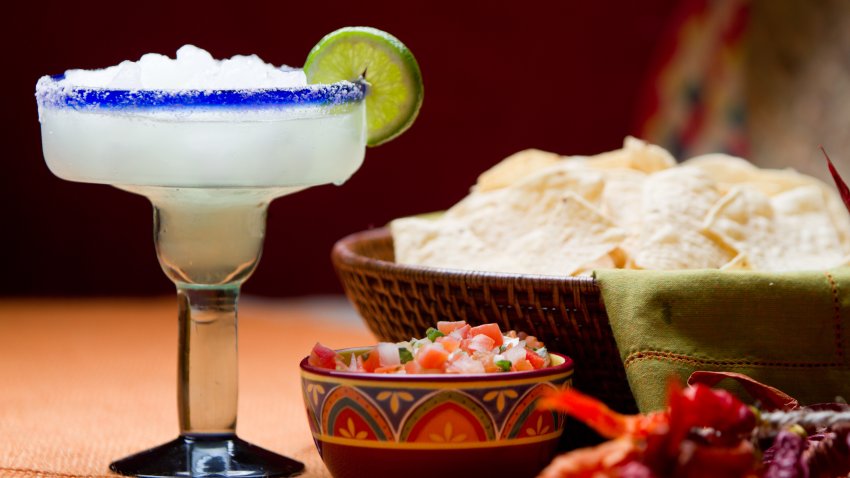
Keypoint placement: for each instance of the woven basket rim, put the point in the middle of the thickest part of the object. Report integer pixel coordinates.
(343, 254)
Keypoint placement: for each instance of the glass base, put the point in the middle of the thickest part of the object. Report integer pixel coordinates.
(207, 456)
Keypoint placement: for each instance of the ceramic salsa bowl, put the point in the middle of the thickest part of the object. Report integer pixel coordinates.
(386, 425)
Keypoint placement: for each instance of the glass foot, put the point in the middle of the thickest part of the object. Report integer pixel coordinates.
(207, 456)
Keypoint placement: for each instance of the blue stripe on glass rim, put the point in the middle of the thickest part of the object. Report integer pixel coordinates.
(51, 92)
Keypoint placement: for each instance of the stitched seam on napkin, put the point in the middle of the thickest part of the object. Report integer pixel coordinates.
(56, 474)
(836, 317)
(682, 358)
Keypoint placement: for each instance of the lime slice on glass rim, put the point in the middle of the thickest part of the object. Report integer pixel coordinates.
(394, 88)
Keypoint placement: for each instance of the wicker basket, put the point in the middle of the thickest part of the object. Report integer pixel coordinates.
(399, 302)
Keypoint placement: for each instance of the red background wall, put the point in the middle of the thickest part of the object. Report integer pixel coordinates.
(499, 77)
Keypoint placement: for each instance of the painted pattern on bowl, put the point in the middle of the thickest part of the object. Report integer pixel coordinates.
(432, 411)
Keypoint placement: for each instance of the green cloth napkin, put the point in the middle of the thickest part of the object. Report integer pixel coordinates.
(787, 330)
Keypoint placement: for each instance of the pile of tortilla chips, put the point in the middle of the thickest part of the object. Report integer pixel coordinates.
(541, 213)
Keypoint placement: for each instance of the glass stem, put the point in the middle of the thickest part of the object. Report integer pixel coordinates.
(207, 365)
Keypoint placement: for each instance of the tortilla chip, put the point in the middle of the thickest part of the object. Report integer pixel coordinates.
(505, 232)
(805, 231)
(621, 198)
(738, 263)
(740, 219)
(441, 243)
(565, 176)
(637, 155)
(513, 168)
(723, 168)
(607, 261)
(621, 258)
(838, 213)
(574, 234)
(675, 202)
(540, 213)
(790, 231)
(730, 171)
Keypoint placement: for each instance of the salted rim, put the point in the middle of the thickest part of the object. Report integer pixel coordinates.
(439, 377)
(51, 92)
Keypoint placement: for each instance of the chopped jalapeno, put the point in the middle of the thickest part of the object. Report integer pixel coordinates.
(405, 355)
(433, 333)
(505, 365)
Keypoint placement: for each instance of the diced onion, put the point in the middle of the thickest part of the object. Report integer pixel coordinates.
(508, 342)
(515, 354)
(465, 364)
(388, 354)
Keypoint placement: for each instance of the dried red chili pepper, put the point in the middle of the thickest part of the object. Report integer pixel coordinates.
(769, 398)
(699, 435)
(699, 406)
(598, 416)
(839, 183)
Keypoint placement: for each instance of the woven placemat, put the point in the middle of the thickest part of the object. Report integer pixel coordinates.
(83, 382)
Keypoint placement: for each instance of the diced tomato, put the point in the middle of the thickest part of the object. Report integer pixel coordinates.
(446, 326)
(373, 361)
(449, 342)
(461, 333)
(412, 367)
(523, 365)
(536, 361)
(490, 330)
(432, 357)
(322, 357)
(531, 341)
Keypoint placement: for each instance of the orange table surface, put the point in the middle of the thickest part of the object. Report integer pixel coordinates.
(87, 381)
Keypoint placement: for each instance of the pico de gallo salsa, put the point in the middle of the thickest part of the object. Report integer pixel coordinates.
(452, 347)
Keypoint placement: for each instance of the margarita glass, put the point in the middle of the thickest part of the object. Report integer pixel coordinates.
(210, 161)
